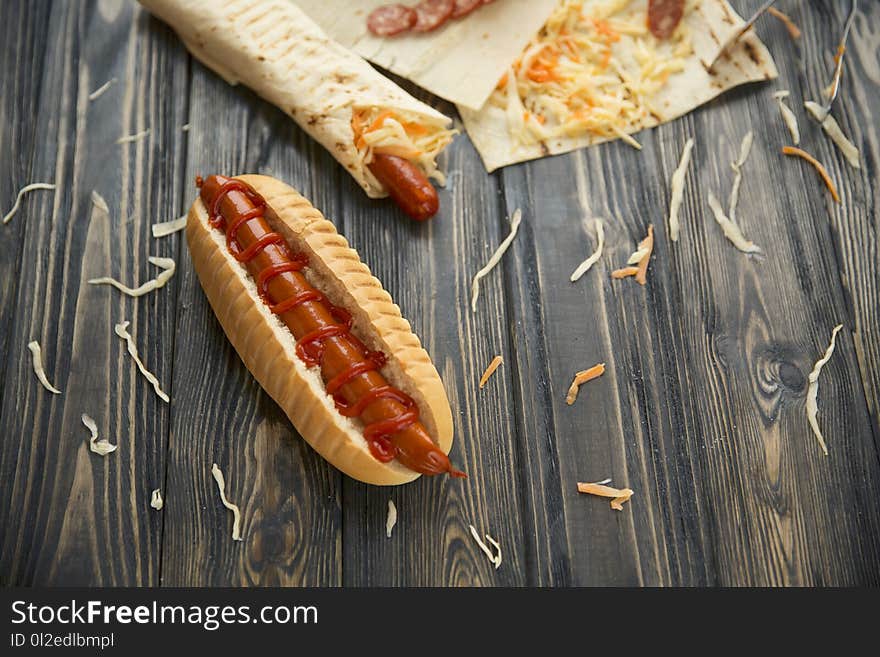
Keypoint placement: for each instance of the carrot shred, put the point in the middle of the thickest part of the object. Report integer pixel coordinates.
(541, 74)
(582, 377)
(542, 66)
(838, 73)
(379, 120)
(610, 36)
(793, 29)
(413, 128)
(494, 365)
(640, 271)
(568, 45)
(791, 150)
(603, 28)
(624, 272)
(618, 495)
(647, 243)
(357, 126)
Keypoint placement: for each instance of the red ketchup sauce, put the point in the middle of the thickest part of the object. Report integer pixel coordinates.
(392, 432)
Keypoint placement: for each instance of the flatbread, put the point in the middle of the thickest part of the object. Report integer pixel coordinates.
(461, 62)
(704, 23)
(272, 47)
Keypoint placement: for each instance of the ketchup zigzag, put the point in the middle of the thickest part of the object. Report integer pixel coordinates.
(310, 347)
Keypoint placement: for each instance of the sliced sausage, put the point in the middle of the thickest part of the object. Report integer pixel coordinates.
(389, 20)
(664, 16)
(431, 14)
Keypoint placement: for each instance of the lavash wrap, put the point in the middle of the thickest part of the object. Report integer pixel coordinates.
(710, 22)
(273, 48)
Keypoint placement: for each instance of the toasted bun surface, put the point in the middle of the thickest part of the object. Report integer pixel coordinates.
(267, 347)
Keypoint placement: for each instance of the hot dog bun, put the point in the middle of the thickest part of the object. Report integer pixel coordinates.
(268, 349)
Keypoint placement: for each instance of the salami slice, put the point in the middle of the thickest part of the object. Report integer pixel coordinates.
(464, 7)
(389, 20)
(664, 16)
(431, 14)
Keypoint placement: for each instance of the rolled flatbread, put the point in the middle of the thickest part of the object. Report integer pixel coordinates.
(595, 73)
(272, 47)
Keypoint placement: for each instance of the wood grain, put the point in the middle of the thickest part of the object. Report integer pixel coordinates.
(77, 518)
(24, 33)
(429, 276)
(854, 227)
(289, 496)
(701, 410)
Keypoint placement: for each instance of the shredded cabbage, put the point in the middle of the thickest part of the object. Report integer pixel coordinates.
(101, 447)
(97, 93)
(832, 129)
(494, 558)
(217, 473)
(587, 264)
(37, 361)
(495, 259)
(677, 185)
(401, 134)
(166, 264)
(24, 190)
(744, 150)
(813, 389)
(156, 500)
(121, 330)
(788, 116)
(391, 520)
(130, 139)
(169, 227)
(593, 69)
(99, 202)
(730, 229)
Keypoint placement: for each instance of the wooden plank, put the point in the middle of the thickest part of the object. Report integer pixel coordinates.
(578, 541)
(75, 518)
(428, 268)
(24, 32)
(854, 223)
(289, 496)
(702, 410)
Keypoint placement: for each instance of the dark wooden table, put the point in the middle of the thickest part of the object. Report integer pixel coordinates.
(701, 410)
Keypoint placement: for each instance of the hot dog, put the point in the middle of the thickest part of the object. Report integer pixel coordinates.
(406, 185)
(341, 361)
